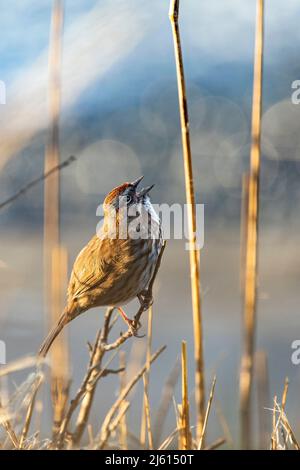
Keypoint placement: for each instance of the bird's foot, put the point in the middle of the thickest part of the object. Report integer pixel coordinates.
(133, 325)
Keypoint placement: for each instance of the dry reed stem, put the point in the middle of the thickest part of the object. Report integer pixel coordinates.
(147, 412)
(51, 196)
(52, 266)
(246, 374)
(60, 377)
(90, 434)
(211, 396)
(284, 394)
(146, 380)
(186, 438)
(243, 230)
(109, 417)
(273, 435)
(190, 199)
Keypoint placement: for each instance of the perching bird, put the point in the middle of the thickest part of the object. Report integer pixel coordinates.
(117, 264)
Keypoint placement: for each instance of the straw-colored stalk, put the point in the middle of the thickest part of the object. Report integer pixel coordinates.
(147, 413)
(54, 257)
(185, 438)
(246, 375)
(52, 194)
(60, 379)
(243, 230)
(146, 383)
(191, 211)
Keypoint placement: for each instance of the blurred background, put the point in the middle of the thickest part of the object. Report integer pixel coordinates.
(119, 117)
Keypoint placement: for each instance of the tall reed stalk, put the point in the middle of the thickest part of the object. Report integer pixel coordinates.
(246, 374)
(191, 211)
(55, 257)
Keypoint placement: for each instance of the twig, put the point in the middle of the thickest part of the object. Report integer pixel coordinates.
(37, 180)
(246, 374)
(190, 199)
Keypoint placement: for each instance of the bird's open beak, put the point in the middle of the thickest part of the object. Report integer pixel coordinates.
(145, 191)
(136, 182)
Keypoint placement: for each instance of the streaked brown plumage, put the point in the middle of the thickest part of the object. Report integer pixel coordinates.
(111, 271)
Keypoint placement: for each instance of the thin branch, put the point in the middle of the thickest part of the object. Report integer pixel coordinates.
(36, 181)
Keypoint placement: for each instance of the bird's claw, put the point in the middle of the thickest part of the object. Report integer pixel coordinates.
(146, 300)
(134, 328)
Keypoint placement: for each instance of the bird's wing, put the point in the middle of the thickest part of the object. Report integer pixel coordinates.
(92, 267)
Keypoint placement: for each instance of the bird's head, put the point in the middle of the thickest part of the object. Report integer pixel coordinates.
(126, 195)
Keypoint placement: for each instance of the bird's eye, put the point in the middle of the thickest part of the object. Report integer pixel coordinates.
(128, 199)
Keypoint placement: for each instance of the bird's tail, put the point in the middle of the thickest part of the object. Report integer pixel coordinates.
(63, 320)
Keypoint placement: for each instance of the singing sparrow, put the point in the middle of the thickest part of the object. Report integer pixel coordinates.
(117, 264)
